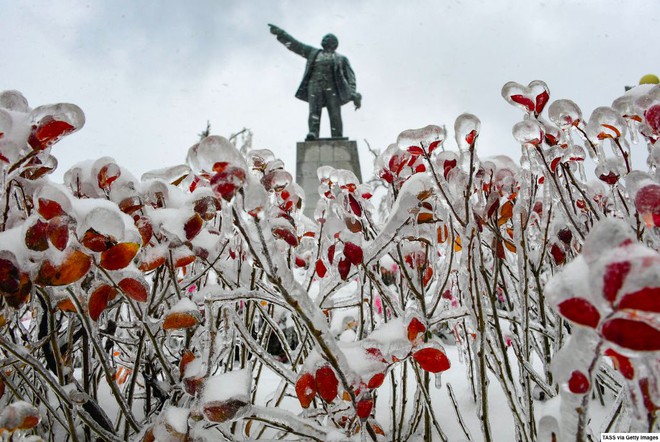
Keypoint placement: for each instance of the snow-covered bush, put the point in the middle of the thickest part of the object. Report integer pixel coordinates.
(198, 303)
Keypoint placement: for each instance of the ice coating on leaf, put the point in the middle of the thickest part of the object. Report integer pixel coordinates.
(214, 149)
(51, 122)
(531, 98)
(14, 101)
(565, 113)
(528, 132)
(19, 415)
(258, 159)
(170, 173)
(466, 130)
(235, 384)
(604, 236)
(605, 123)
(427, 138)
(184, 305)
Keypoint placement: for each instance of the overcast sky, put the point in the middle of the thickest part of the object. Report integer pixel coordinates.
(149, 74)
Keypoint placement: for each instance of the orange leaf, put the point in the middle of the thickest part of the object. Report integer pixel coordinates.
(74, 266)
(66, 305)
(119, 256)
(458, 246)
(217, 411)
(178, 320)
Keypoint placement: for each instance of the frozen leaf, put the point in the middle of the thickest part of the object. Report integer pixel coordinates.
(376, 380)
(36, 236)
(287, 235)
(224, 411)
(19, 416)
(306, 389)
(119, 256)
(565, 113)
(415, 328)
(631, 334)
(320, 268)
(344, 267)
(364, 407)
(580, 311)
(97, 242)
(193, 226)
(99, 299)
(107, 175)
(66, 305)
(466, 130)
(73, 266)
(432, 359)
(58, 232)
(531, 98)
(187, 357)
(179, 320)
(326, 383)
(355, 205)
(49, 208)
(647, 203)
(621, 363)
(416, 141)
(578, 383)
(529, 132)
(130, 205)
(135, 288)
(145, 228)
(646, 299)
(354, 253)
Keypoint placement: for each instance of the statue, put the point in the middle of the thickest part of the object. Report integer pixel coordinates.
(328, 81)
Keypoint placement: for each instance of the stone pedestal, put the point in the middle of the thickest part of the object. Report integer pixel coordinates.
(340, 153)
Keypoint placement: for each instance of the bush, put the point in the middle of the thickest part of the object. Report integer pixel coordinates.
(198, 303)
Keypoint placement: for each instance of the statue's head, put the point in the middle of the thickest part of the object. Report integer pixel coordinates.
(329, 42)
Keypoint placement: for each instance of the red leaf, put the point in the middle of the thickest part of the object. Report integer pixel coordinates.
(376, 380)
(621, 363)
(578, 383)
(580, 311)
(97, 242)
(434, 145)
(134, 289)
(222, 411)
(344, 266)
(306, 389)
(36, 236)
(47, 132)
(320, 268)
(331, 253)
(49, 208)
(10, 276)
(432, 359)
(99, 299)
(448, 166)
(646, 299)
(415, 327)
(364, 408)
(554, 163)
(119, 256)
(521, 99)
(541, 100)
(557, 254)
(416, 150)
(186, 358)
(631, 334)
(355, 206)
(130, 204)
(58, 232)
(144, 227)
(193, 226)
(471, 137)
(354, 253)
(286, 235)
(326, 383)
(107, 175)
(300, 262)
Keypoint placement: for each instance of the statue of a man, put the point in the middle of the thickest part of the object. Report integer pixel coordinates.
(328, 81)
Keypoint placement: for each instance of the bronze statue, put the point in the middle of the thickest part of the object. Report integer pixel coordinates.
(328, 81)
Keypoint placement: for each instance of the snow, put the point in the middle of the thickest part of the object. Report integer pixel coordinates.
(235, 384)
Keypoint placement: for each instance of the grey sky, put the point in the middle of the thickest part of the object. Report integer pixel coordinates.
(149, 74)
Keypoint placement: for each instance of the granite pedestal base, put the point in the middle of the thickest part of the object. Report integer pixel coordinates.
(340, 153)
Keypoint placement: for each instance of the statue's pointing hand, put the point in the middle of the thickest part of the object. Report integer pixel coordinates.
(275, 30)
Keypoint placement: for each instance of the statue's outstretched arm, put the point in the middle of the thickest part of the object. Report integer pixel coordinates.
(291, 43)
